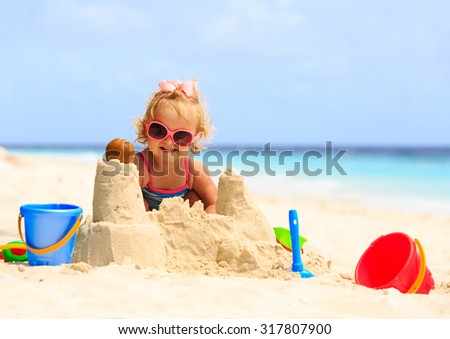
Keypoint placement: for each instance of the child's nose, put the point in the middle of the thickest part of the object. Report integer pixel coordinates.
(168, 141)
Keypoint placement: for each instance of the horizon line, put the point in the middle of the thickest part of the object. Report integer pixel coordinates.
(249, 146)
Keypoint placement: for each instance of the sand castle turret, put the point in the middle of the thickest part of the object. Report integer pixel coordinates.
(236, 201)
(117, 195)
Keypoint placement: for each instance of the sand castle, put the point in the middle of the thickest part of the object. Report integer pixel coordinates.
(119, 230)
(177, 237)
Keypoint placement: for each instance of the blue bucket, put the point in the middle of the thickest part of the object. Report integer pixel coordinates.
(50, 232)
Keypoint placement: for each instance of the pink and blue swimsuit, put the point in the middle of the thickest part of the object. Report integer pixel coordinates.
(154, 195)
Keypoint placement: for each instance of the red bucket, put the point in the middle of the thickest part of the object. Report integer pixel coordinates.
(393, 260)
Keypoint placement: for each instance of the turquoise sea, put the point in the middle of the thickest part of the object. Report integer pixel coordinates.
(412, 178)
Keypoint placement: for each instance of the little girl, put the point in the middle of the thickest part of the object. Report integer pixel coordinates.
(174, 124)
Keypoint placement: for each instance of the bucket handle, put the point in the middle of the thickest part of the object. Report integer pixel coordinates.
(53, 247)
(422, 269)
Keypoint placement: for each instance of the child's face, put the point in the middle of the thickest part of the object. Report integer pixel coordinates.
(167, 115)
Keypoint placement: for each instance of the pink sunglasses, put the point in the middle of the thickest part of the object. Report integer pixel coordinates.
(158, 131)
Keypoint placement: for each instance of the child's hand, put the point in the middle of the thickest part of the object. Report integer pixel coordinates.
(120, 149)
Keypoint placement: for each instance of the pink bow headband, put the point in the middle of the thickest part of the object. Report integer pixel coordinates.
(188, 87)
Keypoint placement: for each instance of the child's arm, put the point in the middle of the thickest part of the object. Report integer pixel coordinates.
(204, 186)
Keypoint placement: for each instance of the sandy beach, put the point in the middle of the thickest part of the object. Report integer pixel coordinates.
(338, 233)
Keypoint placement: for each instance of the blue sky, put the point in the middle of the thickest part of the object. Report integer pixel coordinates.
(288, 72)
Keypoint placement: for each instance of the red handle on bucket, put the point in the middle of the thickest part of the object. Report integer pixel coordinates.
(422, 269)
(53, 247)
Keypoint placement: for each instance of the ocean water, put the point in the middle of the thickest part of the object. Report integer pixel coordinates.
(410, 178)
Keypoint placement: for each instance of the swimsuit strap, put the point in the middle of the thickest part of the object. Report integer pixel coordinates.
(186, 167)
(141, 155)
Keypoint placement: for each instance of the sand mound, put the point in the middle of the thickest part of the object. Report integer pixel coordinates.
(236, 241)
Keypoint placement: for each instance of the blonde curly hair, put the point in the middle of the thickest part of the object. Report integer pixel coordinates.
(188, 107)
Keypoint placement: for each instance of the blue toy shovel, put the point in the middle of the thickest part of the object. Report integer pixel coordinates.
(297, 265)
